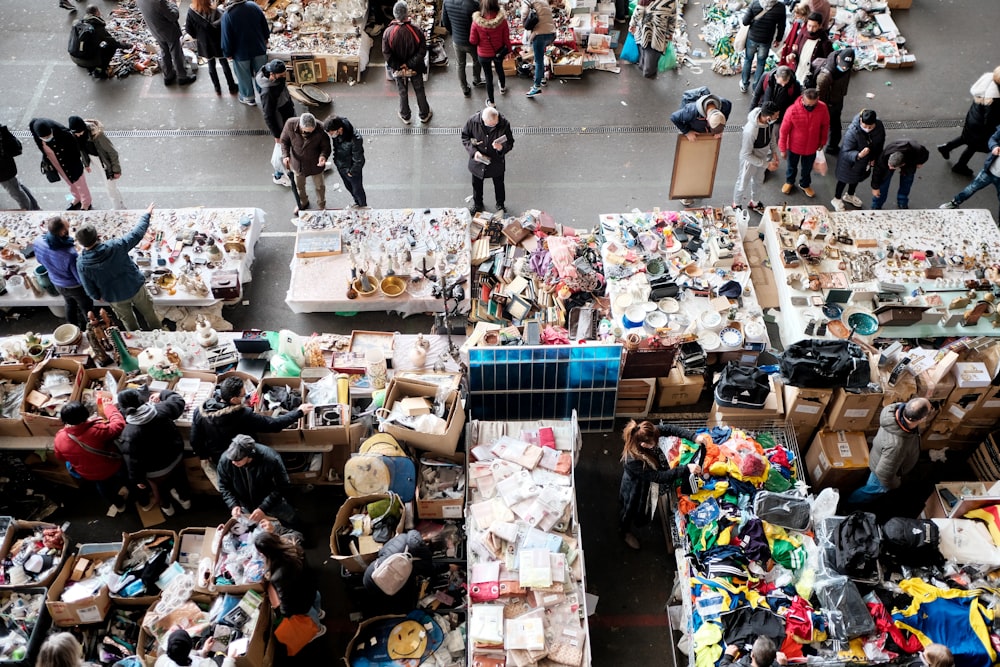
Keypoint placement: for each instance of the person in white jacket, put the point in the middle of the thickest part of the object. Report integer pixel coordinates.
(758, 151)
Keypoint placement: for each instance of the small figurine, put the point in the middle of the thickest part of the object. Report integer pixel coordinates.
(418, 354)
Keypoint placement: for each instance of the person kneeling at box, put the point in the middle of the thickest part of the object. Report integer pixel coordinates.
(253, 481)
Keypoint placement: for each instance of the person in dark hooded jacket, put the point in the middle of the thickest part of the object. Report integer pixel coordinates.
(487, 138)
(276, 104)
(105, 45)
(766, 19)
(204, 23)
(153, 447)
(706, 115)
(254, 483)
(904, 156)
(780, 87)
(863, 145)
(832, 82)
(61, 152)
(10, 148)
(348, 156)
(456, 17)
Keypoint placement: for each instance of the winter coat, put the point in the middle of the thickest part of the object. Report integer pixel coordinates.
(895, 450)
(633, 493)
(349, 150)
(653, 23)
(758, 157)
(64, 145)
(692, 116)
(96, 433)
(207, 31)
(60, 262)
(822, 49)
(769, 90)
(456, 16)
(275, 102)
(304, 149)
(849, 168)
(260, 484)
(151, 442)
(403, 44)
(914, 155)
(546, 23)
(215, 424)
(107, 273)
(795, 31)
(831, 83)
(162, 18)
(10, 148)
(296, 588)
(768, 28)
(476, 136)
(95, 142)
(804, 132)
(244, 31)
(490, 35)
(980, 122)
(993, 143)
(102, 35)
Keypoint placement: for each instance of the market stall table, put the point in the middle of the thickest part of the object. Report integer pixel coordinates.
(323, 39)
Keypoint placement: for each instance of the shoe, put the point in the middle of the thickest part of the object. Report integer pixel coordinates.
(759, 207)
(949, 204)
(186, 80)
(687, 202)
(405, 119)
(478, 84)
(838, 205)
(249, 101)
(66, 4)
(743, 87)
(234, 89)
(99, 74)
(148, 507)
(169, 82)
(322, 614)
(218, 89)
(75, 206)
(787, 188)
(501, 210)
(853, 200)
(545, 82)
(631, 541)
(534, 91)
(902, 207)
(185, 504)
(426, 119)
(503, 91)
(282, 180)
(962, 170)
(305, 206)
(467, 91)
(475, 208)
(809, 192)
(168, 511)
(490, 103)
(942, 149)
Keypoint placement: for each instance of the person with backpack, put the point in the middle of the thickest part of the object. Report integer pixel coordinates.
(91, 45)
(780, 87)
(404, 47)
(863, 145)
(766, 20)
(204, 23)
(348, 156)
(490, 34)
(61, 159)
(10, 148)
(456, 17)
(832, 81)
(163, 21)
(93, 141)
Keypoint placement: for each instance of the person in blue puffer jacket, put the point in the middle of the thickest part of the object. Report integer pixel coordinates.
(57, 253)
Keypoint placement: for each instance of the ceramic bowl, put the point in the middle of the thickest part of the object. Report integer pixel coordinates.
(392, 286)
(668, 305)
(710, 320)
(622, 302)
(655, 267)
(709, 341)
(656, 320)
(754, 331)
(66, 334)
(634, 316)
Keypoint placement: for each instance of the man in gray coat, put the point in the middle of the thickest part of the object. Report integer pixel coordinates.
(895, 449)
(162, 19)
(759, 151)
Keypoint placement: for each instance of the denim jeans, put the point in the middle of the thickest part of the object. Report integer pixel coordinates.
(982, 180)
(245, 71)
(461, 54)
(538, 45)
(902, 197)
(793, 168)
(761, 51)
(869, 493)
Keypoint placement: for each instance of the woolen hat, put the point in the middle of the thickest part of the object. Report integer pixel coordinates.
(179, 647)
(77, 124)
(86, 235)
(400, 11)
(276, 66)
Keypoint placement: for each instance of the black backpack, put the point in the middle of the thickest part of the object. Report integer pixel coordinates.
(858, 543)
(744, 387)
(82, 41)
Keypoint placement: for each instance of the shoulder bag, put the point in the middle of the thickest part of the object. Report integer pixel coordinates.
(740, 41)
(51, 175)
(531, 19)
(88, 448)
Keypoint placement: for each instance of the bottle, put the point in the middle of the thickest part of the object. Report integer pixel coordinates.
(126, 361)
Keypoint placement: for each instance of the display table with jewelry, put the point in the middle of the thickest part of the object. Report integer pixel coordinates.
(388, 259)
(191, 256)
(884, 274)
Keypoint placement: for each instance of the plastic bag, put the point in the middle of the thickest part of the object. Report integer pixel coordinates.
(630, 50)
(819, 166)
(276, 164)
(283, 366)
(668, 60)
(843, 606)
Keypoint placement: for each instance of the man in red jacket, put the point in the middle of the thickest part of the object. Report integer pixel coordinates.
(803, 133)
(87, 446)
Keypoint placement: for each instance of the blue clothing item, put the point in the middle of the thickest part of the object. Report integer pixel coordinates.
(691, 117)
(983, 179)
(538, 45)
(760, 50)
(244, 32)
(107, 272)
(869, 493)
(902, 197)
(793, 168)
(59, 262)
(244, 72)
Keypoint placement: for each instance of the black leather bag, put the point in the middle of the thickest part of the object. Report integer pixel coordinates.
(825, 364)
(743, 387)
(51, 175)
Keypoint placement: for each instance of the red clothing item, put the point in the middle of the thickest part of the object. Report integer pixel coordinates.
(792, 39)
(803, 131)
(489, 35)
(97, 434)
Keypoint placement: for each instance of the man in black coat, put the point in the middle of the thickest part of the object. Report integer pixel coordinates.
(766, 19)
(904, 156)
(254, 483)
(10, 148)
(456, 16)
(780, 87)
(832, 82)
(487, 138)
(277, 106)
(61, 152)
(348, 156)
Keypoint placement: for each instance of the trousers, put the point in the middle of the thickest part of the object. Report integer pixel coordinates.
(498, 189)
(142, 303)
(318, 183)
(20, 193)
(354, 186)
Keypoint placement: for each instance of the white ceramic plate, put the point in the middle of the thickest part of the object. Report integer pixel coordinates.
(669, 305)
(709, 341)
(731, 337)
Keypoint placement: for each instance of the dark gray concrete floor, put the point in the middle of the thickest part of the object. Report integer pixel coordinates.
(574, 175)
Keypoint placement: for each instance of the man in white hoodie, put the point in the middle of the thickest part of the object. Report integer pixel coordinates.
(758, 150)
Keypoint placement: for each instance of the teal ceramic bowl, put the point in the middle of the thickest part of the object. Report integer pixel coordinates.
(863, 323)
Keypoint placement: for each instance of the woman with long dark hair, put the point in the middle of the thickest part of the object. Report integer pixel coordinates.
(204, 24)
(490, 34)
(291, 583)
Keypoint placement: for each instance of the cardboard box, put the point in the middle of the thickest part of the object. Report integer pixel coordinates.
(196, 477)
(288, 436)
(36, 631)
(14, 428)
(20, 530)
(985, 460)
(441, 508)
(986, 410)
(570, 65)
(336, 458)
(415, 406)
(356, 563)
(216, 554)
(41, 425)
(91, 609)
(194, 544)
(848, 411)
(678, 389)
(971, 375)
(900, 4)
(119, 566)
(774, 406)
(806, 406)
(938, 391)
(837, 459)
(967, 496)
(88, 376)
(635, 397)
(447, 443)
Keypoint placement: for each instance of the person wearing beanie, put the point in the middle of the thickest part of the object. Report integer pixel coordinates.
(348, 156)
(758, 151)
(863, 145)
(244, 39)
(766, 21)
(705, 116)
(108, 273)
(404, 47)
(93, 141)
(277, 106)
(803, 133)
(10, 148)
(180, 652)
(988, 175)
(153, 448)
(304, 150)
(61, 159)
(163, 22)
(101, 45)
(903, 156)
(204, 23)
(982, 118)
(56, 251)
(254, 483)
(832, 82)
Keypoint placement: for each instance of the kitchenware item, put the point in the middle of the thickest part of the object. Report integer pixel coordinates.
(731, 337)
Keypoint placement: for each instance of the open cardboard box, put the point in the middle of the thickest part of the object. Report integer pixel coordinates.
(119, 566)
(216, 555)
(91, 609)
(14, 428)
(39, 424)
(447, 443)
(356, 563)
(289, 436)
(20, 530)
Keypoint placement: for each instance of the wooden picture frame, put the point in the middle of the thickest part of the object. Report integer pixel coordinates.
(304, 72)
(319, 70)
(695, 163)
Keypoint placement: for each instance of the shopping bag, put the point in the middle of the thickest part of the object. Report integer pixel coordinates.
(668, 60)
(295, 632)
(276, 164)
(819, 166)
(740, 41)
(630, 51)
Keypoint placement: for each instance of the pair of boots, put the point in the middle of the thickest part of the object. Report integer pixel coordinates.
(213, 74)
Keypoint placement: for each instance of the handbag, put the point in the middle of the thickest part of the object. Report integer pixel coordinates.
(744, 387)
(825, 364)
(296, 631)
(740, 41)
(50, 172)
(531, 20)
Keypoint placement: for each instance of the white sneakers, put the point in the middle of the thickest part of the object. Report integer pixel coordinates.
(185, 504)
(854, 200)
(838, 205)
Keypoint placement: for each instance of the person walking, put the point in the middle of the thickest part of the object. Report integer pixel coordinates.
(780, 87)
(803, 133)
(981, 120)
(277, 106)
(895, 449)
(863, 145)
(291, 583)
(98, 48)
(810, 44)
(348, 156)
(304, 150)
(254, 483)
(61, 152)
(204, 23)
(56, 251)
(163, 21)
(766, 19)
(404, 48)
(153, 448)
(244, 40)
(456, 17)
(87, 446)
(904, 156)
(758, 151)
(832, 82)
(90, 135)
(490, 34)
(10, 148)
(487, 139)
(988, 175)
(108, 273)
(541, 37)
(652, 25)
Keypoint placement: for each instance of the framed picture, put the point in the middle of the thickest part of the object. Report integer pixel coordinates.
(694, 166)
(319, 70)
(304, 72)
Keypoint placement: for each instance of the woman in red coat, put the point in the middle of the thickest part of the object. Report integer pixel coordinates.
(490, 34)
